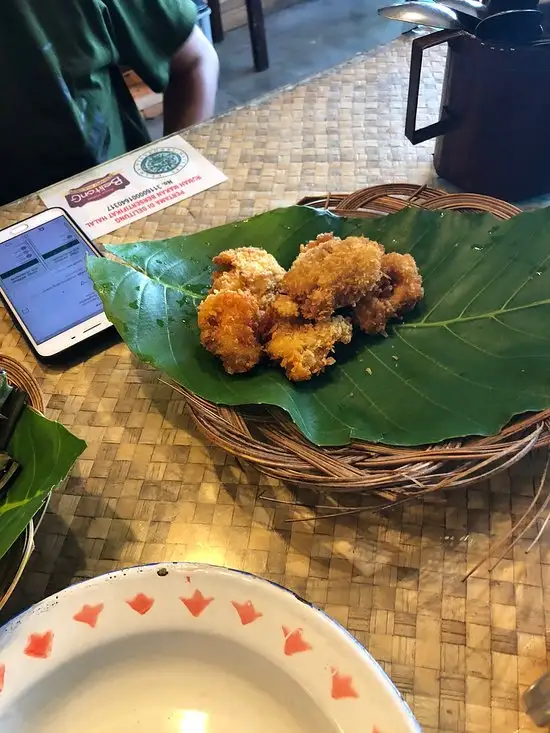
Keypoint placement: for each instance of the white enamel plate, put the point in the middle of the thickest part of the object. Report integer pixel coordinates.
(186, 648)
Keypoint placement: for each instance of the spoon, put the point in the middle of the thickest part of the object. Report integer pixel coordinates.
(469, 7)
(468, 22)
(418, 12)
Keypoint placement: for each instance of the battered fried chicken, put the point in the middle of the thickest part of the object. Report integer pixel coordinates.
(254, 306)
(248, 269)
(284, 307)
(229, 325)
(319, 239)
(303, 348)
(399, 290)
(331, 273)
(280, 308)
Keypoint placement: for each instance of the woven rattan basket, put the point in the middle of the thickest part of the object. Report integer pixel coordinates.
(14, 562)
(272, 443)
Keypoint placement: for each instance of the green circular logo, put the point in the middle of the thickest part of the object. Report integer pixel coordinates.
(161, 162)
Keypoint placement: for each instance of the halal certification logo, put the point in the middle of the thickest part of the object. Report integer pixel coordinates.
(161, 162)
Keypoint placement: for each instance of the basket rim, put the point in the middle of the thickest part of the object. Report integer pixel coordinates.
(20, 376)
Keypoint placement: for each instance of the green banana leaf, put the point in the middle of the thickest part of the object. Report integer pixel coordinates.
(472, 355)
(46, 452)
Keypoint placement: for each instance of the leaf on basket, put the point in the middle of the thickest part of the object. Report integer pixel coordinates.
(45, 451)
(471, 356)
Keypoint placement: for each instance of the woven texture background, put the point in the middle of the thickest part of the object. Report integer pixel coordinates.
(149, 489)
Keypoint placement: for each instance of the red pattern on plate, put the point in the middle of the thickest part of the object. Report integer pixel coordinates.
(247, 612)
(2, 676)
(39, 646)
(141, 603)
(294, 642)
(197, 603)
(342, 687)
(89, 614)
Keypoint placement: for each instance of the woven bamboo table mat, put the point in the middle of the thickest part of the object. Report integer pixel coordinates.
(149, 489)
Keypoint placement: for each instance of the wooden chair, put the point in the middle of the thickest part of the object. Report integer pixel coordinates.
(256, 26)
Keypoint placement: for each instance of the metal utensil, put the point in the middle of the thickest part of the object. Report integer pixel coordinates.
(469, 7)
(468, 22)
(511, 26)
(418, 12)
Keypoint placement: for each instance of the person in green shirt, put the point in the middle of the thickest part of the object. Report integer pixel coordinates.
(65, 105)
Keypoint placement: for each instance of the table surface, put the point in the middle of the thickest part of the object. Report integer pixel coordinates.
(149, 488)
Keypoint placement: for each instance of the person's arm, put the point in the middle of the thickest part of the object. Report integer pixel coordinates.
(160, 41)
(191, 92)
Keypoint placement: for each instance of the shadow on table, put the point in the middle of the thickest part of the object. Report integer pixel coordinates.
(84, 351)
(64, 554)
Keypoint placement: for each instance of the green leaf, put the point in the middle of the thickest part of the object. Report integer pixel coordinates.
(472, 355)
(46, 452)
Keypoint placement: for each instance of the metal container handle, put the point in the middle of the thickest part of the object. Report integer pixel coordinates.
(444, 124)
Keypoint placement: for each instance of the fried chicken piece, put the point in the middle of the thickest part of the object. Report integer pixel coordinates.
(280, 308)
(303, 348)
(319, 239)
(399, 290)
(284, 307)
(229, 325)
(248, 269)
(331, 273)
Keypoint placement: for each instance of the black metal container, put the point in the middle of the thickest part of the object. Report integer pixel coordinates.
(493, 136)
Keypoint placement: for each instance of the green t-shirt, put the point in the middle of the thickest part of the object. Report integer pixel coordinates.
(65, 106)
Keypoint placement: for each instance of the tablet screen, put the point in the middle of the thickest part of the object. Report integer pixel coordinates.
(43, 274)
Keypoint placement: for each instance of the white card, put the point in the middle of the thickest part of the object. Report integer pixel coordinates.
(134, 186)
